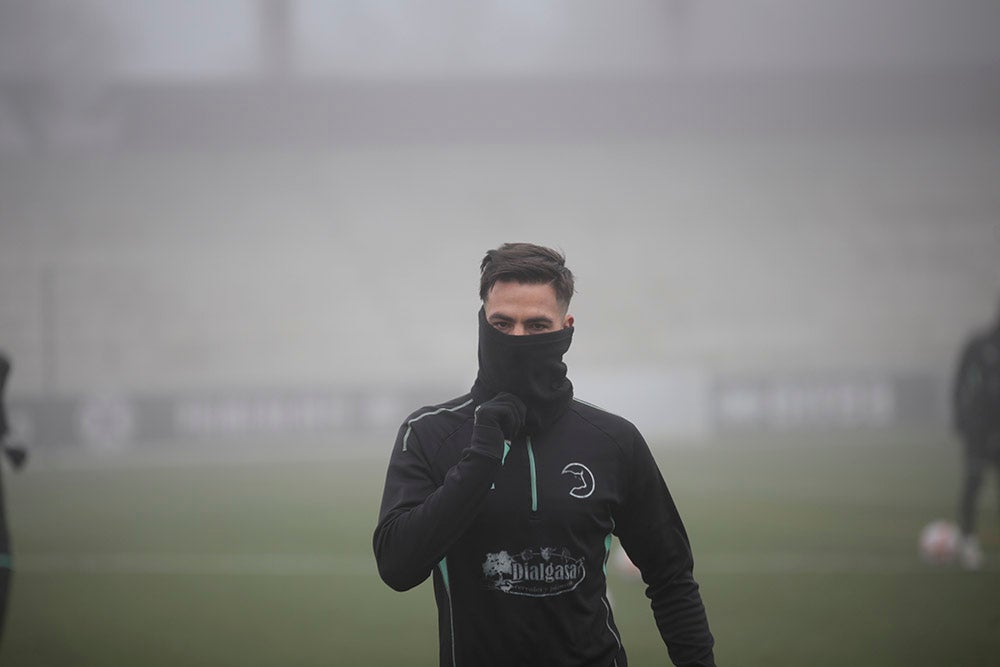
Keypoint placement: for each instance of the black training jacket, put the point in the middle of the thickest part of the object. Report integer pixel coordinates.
(517, 537)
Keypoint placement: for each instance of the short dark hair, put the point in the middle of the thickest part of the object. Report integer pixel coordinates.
(528, 264)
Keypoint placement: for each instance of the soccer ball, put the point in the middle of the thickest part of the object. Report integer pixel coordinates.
(939, 542)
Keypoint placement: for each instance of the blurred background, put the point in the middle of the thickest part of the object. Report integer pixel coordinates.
(270, 213)
(256, 225)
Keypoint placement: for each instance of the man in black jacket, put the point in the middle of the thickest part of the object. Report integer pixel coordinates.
(976, 413)
(510, 494)
(15, 454)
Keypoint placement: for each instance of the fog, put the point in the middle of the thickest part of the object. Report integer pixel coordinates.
(240, 242)
(239, 215)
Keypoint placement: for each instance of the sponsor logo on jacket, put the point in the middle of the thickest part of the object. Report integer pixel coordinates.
(534, 572)
(583, 480)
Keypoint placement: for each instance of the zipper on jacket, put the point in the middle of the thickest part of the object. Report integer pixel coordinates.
(503, 459)
(534, 477)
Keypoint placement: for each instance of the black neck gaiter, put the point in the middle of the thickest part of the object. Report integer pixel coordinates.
(530, 367)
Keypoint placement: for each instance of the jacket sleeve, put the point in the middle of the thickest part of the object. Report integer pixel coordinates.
(962, 386)
(422, 516)
(650, 529)
(4, 370)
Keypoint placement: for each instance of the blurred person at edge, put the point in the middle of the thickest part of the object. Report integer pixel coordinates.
(509, 496)
(976, 413)
(15, 455)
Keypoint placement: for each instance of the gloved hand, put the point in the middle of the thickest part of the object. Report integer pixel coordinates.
(504, 411)
(16, 454)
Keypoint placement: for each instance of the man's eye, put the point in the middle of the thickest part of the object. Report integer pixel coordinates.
(501, 325)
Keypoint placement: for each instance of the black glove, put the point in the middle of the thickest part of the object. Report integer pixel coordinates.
(16, 454)
(504, 411)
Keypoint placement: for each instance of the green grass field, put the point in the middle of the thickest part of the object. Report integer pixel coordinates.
(805, 550)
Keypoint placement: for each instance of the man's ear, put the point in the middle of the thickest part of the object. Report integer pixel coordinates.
(568, 322)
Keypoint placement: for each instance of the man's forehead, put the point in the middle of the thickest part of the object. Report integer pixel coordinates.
(505, 295)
